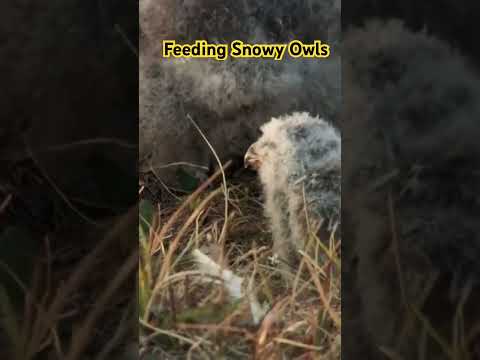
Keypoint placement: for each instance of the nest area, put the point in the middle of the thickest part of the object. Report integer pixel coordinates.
(243, 244)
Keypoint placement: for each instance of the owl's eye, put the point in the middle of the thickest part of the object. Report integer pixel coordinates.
(298, 133)
(270, 145)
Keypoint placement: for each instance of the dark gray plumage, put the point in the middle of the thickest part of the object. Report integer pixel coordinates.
(410, 134)
(229, 100)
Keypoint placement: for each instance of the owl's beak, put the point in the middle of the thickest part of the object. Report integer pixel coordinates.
(252, 159)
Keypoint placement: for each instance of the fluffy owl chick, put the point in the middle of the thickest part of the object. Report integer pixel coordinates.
(298, 158)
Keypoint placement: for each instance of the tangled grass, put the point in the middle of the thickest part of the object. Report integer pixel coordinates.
(75, 293)
(185, 313)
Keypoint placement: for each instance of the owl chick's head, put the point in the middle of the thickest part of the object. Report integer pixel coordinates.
(294, 141)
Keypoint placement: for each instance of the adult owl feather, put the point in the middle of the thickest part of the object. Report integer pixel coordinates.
(229, 99)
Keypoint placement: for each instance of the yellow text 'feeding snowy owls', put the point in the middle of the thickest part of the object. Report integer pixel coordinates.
(238, 49)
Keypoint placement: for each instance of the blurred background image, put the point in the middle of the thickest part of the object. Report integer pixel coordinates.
(410, 201)
(244, 209)
(68, 175)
